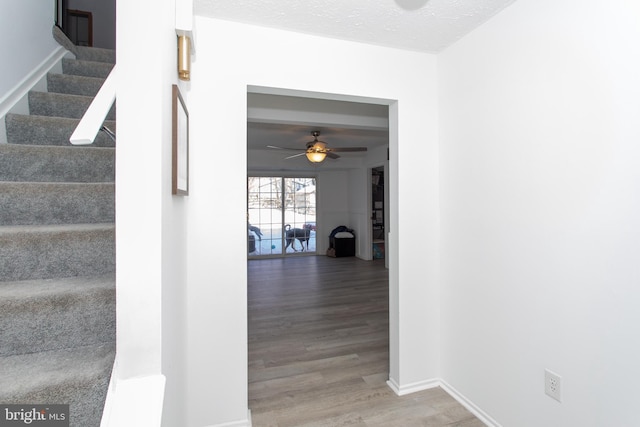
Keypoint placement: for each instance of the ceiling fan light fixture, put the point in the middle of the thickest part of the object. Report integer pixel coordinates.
(316, 150)
(315, 156)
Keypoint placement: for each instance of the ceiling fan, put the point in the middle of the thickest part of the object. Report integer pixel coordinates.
(316, 151)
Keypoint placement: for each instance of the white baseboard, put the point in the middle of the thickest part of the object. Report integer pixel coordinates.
(459, 397)
(239, 423)
(108, 403)
(413, 387)
(3, 131)
(471, 407)
(19, 92)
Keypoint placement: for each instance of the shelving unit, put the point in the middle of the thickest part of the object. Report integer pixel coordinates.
(377, 215)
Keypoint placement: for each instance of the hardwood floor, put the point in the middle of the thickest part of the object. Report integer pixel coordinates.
(319, 352)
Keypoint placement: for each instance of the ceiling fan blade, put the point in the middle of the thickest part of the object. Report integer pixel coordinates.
(346, 149)
(284, 148)
(332, 155)
(295, 155)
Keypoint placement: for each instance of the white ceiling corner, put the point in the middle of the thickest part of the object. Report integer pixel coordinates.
(419, 25)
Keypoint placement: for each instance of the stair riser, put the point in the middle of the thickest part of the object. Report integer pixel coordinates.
(56, 164)
(56, 203)
(95, 54)
(49, 254)
(73, 85)
(65, 318)
(86, 68)
(46, 130)
(61, 105)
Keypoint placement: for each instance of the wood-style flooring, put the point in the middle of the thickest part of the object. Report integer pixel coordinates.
(319, 349)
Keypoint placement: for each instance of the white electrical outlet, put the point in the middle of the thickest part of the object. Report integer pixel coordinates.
(553, 385)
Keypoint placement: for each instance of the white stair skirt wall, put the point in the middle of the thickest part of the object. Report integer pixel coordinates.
(381, 75)
(15, 100)
(124, 407)
(239, 423)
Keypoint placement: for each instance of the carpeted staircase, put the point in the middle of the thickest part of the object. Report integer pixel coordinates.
(57, 248)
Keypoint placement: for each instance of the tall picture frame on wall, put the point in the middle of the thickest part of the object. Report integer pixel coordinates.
(180, 145)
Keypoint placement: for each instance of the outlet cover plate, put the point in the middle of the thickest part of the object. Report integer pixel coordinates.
(553, 385)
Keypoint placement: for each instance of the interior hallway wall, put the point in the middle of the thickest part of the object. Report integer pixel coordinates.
(540, 150)
(27, 45)
(151, 234)
(231, 58)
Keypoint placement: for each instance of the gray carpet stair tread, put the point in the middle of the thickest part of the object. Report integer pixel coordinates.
(76, 376)
(73, 85)
(50, 130)
(49, 314)
(84, 52)
(56, 203)
(48, 251)
(80, 67)
(61, 105)
(52, 368)
(95, 54)
(41, 163)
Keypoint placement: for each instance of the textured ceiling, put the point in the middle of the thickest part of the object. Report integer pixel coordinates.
(421, 25)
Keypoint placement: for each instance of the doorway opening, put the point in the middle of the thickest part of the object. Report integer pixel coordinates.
(282, 118)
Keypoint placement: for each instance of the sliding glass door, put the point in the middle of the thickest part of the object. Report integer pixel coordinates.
(281, 215)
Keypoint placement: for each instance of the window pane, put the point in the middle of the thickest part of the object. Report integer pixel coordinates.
(300, 214)
(265, 215)
(272, 200)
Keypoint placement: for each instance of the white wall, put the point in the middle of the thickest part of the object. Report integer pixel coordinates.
(151, 231)
(333, 205)
(539, 113)
(231, 57)
(359, 208)
(24, 46)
